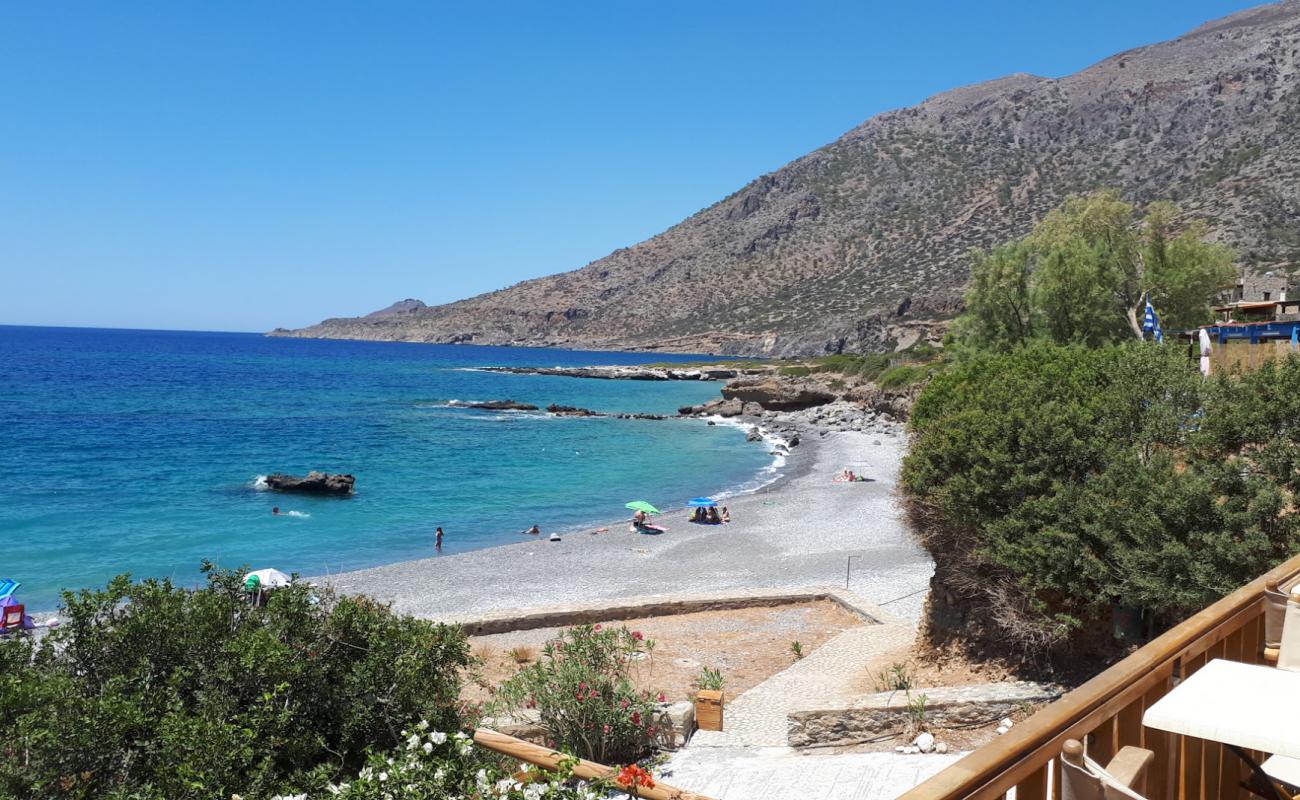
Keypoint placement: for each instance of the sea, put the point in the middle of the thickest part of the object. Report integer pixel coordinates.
(144, 452)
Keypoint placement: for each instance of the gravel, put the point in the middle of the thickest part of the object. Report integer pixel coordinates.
(797, 532)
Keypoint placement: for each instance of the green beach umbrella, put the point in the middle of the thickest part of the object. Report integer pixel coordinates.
(641, 505)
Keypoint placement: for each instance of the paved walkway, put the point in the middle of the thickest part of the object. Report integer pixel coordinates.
(829, 675)
(784, 774)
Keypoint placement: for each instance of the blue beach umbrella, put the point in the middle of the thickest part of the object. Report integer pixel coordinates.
(702, 502)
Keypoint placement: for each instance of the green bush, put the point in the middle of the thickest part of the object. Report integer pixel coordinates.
(1053, 484)
(901, 375)
(153, 691)
(584, 695)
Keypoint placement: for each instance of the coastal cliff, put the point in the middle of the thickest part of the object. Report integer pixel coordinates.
(862, 245)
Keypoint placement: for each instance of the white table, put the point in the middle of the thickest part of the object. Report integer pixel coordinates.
(1283, 768)
(1246, 705)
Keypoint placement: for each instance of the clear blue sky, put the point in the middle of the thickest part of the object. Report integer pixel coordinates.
(243, 165)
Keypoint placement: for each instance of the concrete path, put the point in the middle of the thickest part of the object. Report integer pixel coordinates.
(831, 674)
(784, 774)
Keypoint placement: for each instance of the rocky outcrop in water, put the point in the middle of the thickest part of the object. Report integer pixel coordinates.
(495, 405)
(616, 373)
(774, 393)
(313, 482)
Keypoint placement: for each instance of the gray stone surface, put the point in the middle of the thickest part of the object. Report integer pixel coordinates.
(793, 534)
(888, 712)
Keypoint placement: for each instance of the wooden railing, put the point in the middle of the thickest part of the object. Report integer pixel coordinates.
(550, 760)
(1108, 711)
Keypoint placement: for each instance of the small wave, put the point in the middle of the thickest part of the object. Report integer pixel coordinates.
(259, 483)
(298, 514)
(766, 476)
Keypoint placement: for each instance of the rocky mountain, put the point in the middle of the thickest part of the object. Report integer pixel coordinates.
(863, 243)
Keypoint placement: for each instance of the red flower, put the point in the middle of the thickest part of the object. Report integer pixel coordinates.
(638, 635)
(597, 626)
(636, 718)
(633, 776)
(661, 697)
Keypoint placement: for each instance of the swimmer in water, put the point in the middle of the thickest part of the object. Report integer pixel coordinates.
(438, 541)
(276, 511)
(535, 530)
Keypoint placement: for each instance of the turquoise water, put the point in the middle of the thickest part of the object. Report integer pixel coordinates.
(138, 451)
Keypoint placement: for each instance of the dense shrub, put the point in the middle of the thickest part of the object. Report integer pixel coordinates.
(583, 691)
(1053, 484)
(152, 691)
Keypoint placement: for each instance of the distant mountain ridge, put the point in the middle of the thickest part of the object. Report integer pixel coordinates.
(863, 244)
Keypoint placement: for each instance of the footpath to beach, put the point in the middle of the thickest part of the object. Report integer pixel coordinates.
(797, 533)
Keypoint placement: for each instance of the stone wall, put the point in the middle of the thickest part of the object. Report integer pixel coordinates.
(876, 715)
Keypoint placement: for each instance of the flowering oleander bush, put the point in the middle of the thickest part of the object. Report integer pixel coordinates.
(432, 765)
(582, 690)
(150, 691)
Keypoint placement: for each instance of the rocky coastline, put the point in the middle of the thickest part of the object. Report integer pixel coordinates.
(622, 373)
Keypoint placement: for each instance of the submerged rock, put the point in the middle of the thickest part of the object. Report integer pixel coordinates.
(571, 411)
(313, 483)
(497, 405)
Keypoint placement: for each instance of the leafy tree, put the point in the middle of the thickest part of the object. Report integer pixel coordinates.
(1080, 276)
(1055, 483)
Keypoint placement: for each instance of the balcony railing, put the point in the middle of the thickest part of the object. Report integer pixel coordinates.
(1108, 711)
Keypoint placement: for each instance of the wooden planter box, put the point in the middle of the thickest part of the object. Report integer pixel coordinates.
(708, 710)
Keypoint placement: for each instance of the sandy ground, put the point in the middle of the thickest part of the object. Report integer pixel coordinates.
(748, 645)
(798, 532)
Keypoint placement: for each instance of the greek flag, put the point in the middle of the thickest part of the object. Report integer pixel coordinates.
(1151, 323)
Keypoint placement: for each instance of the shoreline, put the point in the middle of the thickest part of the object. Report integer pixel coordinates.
(795, 532)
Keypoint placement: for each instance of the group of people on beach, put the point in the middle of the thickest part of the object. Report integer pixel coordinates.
(710, 516)
(849, 476)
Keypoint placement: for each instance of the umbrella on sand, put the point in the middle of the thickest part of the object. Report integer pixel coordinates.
(267, 578)
(702, 502)
(641, 505)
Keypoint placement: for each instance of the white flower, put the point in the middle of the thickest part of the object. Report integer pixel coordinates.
(413, 742)
(383, 776)
(440, 774)
(390, 762)
(428, 747)
(437, 737)
(424, 725)
(366, 773)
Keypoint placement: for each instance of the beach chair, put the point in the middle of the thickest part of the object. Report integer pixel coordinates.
(1124, 778)
(11, 617)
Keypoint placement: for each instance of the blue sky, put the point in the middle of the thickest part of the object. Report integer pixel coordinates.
(243, 165)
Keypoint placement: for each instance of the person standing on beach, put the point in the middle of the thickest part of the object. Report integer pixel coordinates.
(437, 542)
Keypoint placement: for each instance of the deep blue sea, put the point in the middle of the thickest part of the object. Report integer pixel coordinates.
(139, 451)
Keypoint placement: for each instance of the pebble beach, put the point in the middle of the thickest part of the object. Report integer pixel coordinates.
(797, 532)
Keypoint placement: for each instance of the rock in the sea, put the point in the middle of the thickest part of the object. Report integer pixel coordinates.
(498, 405)
(754, 435)
(313, 483)
(571, 411)
(725, 408)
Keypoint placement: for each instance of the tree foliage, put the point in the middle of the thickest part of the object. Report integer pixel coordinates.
(1080, 276)
(153, 691)
(1057, 482)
